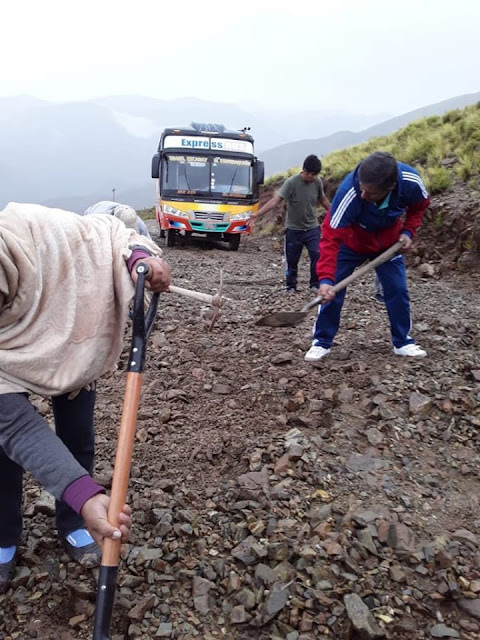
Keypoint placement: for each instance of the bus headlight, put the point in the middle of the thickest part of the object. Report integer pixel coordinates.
(241, 216)
(174, 211)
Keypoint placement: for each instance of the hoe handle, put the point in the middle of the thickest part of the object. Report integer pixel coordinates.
(142, 326)
(358, 273)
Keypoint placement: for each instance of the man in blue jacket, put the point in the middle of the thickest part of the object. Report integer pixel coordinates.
(380, 202)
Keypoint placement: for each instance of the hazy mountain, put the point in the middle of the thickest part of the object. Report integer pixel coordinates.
(73, 154)
(147, 116)
(292, 154)
(297, 125)
(57, 150)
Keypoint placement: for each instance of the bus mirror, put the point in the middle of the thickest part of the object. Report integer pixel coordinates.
(156, 166)
(260, 172)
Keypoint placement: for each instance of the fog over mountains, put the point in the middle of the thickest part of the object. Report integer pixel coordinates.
(73, 154)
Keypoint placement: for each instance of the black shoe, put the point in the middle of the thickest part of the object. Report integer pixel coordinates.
(88, 555)
(7, 569)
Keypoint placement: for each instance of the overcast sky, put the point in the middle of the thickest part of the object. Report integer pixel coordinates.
(365, 56)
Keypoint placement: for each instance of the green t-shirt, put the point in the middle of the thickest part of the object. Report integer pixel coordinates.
(301, 198)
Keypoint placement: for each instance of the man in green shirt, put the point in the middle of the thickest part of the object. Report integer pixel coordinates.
(302, 193)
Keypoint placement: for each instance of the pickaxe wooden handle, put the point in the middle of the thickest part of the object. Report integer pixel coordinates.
(195, 295)
(216, 301)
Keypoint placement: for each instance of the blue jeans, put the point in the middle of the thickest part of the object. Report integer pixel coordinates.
(74, 426)
(294, 242)
(393, 278)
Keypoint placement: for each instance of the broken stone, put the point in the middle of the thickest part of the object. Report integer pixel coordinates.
(254, 480)
(420, 404)
(138, 611)
(273, 605)
(400, 537)
(221, 389)
(442, 631)
(45, 504)
(359, 462)
(238, 615)
(244, 551)
(362, 619)
(374, 436)
(164, 630)
(470, 606)
(427, 270)
(463, 535)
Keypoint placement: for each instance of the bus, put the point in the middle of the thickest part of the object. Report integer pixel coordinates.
(207, 180)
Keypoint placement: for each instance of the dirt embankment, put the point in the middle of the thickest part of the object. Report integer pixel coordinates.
(448, 239)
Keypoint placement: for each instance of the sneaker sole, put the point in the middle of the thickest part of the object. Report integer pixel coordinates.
(316, 359)
(411, 355)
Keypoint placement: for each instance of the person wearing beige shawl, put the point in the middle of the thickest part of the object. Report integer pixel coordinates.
(65, 287)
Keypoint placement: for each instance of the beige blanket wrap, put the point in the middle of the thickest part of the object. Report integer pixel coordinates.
(64, 295)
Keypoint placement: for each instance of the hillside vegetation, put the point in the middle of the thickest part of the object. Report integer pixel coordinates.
(442, 148)
(446, 151)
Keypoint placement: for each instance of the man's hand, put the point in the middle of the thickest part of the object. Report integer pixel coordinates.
(326, 292)
(94, 512)
(159, 276)
(405, 239)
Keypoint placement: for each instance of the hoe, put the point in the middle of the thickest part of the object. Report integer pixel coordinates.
(292, 318)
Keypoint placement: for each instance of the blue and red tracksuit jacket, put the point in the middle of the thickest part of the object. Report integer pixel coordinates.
(366, 228)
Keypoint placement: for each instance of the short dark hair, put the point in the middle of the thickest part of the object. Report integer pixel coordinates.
(379, 169)
(312, 164)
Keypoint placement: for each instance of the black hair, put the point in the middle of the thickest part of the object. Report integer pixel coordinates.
(312, 164)
(379, 169)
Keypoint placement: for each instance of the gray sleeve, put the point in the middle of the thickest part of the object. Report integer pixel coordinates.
(28, 440)
(321, 192)
(285, 190)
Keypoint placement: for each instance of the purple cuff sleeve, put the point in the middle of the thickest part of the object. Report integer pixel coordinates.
(137, 254)
(79, 491)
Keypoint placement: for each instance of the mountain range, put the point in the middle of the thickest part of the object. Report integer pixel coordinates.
(73, 154)
(292, 154)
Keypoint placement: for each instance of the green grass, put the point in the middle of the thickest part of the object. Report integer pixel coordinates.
(146, 214)
(423, 144)
(437, 179)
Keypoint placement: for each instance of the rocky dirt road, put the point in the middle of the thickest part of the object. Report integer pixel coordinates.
(276, 499)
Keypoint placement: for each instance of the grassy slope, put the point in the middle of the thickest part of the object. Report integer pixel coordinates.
(446, 151)
(442, 148)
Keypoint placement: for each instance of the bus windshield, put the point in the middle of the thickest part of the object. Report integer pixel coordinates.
(207, 176)
(231, 176)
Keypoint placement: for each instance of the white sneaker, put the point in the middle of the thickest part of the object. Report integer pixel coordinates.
(316, 353)
(412, 350)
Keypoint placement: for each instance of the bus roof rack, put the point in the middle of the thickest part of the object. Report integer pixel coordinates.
(208, 127)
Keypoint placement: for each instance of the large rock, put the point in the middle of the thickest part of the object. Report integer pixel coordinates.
(470, 606)
(362, 619)
(420, 404)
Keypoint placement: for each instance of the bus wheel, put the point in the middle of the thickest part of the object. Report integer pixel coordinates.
(233, 241)
(171, 237)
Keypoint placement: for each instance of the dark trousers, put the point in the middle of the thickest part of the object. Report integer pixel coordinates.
(393, 278)
(294, 242)
(74, 426)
